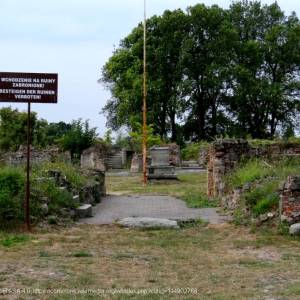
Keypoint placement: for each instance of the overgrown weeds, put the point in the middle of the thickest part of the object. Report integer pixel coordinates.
(264, 178)
(256, 169)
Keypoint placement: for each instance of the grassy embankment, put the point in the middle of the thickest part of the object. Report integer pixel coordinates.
(268, 175)
(12, 189)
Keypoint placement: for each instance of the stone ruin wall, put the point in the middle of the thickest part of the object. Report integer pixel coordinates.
(290, 200)
(203, 157)
(37, 156)
(94, 158)
(224, 155)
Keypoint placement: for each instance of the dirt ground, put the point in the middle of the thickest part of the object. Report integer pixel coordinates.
(206, 262)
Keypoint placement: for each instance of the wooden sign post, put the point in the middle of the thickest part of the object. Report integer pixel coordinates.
(28, 88)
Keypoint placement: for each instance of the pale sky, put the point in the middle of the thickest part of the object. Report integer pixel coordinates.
(75, 38)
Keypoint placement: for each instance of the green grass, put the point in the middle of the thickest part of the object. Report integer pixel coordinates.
(292, 290)
(189, 187)
(11, 240)
(82, 254)
(248, 172)
(256, 169)
(12, 187)
(195, 200)
(71, 172)
(12, 182)
(264, 198)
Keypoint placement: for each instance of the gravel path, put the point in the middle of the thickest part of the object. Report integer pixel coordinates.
(114, 208)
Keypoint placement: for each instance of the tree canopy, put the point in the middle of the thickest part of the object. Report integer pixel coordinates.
(211, 72)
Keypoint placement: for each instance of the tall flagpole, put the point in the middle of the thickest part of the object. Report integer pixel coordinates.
(145, 179)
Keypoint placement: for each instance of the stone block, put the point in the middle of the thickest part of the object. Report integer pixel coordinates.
(93, 158)
(148, 223)
(84, 211)
(160, 156)
(91, 193)
(295, 229)
(162, 172)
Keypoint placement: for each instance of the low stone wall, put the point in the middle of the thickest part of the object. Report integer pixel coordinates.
(274, 150)
(37, 156)
(290, 200)
(224, 155)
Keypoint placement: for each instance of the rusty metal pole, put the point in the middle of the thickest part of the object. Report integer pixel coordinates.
(27, 192)
(145, 179)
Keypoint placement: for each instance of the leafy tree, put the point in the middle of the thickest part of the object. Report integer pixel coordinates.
(122, 74)
(55, 131)
(137, 137)
(108, 139)
(266, 68)
(13, 128)
(78, 138)
(123, 141)
(206, 55)
(211, 72)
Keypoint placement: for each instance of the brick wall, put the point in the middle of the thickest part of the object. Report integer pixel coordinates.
(290, 200)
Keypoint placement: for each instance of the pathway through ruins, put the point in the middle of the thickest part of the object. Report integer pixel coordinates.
(113, 208)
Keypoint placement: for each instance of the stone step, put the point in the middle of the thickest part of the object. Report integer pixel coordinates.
(84, 211)
(115, 161)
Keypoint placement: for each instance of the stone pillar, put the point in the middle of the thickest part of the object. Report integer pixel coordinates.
(93, 159)
(223, 156)
(136, 163)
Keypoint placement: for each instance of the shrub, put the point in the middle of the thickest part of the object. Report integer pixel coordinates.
(11, 194)
(79, 137)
